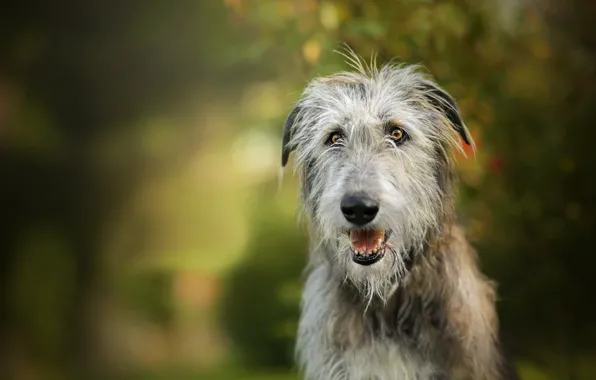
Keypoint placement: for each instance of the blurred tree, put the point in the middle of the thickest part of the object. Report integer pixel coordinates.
(72, 76)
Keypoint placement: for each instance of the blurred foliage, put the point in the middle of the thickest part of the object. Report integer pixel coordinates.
(194, 375)
(260, 305)
(148, 294)
(139, 142)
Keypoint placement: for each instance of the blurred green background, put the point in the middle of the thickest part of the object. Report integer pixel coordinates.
(143, 235)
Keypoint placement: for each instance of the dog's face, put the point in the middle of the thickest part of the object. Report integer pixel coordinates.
(374, 154)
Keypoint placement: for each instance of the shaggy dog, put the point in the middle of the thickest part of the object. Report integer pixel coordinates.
(393, 289)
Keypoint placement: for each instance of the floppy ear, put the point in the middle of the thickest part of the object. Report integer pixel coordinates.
(445, 103)
(286, 149)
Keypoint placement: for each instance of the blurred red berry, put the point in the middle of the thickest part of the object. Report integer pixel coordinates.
(495, 164)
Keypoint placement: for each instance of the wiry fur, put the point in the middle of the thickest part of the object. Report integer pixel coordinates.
(424, 311)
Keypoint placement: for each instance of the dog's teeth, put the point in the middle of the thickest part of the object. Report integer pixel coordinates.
(374, 250)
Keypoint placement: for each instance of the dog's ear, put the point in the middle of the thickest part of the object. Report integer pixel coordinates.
(286, 148)
(440, 99)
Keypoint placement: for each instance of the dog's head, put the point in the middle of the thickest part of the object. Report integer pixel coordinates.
(374, 151)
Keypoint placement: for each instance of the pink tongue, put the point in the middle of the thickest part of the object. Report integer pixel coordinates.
(365, 240)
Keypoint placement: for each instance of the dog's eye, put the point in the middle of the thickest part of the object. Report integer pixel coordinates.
(334, 138)
(398, 135)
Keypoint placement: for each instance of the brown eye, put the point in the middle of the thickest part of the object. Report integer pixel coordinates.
(334, 138)
(398, 135)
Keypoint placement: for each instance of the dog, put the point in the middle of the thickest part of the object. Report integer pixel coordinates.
(392, 287)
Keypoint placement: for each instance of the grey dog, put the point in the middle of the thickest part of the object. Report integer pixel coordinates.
(393, 289)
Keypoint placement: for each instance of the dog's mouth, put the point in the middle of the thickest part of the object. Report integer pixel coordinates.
(368, 246)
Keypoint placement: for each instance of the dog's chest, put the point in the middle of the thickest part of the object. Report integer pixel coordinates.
(343, 338)
(398, 340)
(386, 361)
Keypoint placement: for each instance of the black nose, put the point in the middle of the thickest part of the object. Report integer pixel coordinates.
(359, 209)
